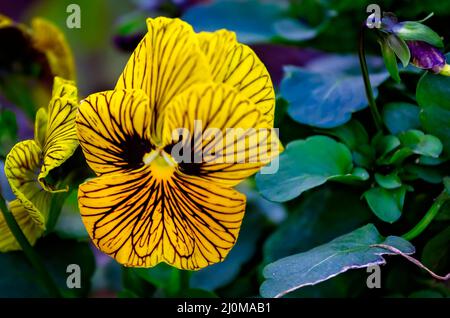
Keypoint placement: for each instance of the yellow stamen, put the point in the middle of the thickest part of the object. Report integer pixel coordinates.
(161, 163)
(149, 157)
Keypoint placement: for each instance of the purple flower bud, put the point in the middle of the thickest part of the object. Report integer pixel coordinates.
(426, 56)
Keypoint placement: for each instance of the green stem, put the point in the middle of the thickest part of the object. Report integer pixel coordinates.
(428, 217)
(368, 87)
(185, 276)
(30, 253)
(56, 204)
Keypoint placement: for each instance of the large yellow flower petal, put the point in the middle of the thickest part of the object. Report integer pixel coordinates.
(48, 39)
(234, 141)
(21, 167)
(113, 130)
(236, 64)
(142, 220)
(29, 227)
(166, 62)
(60, 139)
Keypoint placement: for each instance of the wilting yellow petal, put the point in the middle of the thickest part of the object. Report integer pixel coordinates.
(21, 167)
(31, 230)
(166, 62)
(60, 139)
(236, 64)
(113, 130)
(48, 39)
(141, 220)
(235, 139)
(40, 127)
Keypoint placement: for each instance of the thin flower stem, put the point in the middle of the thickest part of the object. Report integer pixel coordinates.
(32, 256)
(428, 217)
(368, 87)
(413, 260)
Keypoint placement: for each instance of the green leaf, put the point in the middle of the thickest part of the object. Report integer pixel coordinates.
(400, 117)
(316, 220)
(350, 251)
(352, 134)
(386, 204)
(444, 212)
(306, 164)
(137, 285)
(385, 144)
(447, 184)
(411, 142)
(326, 92)
(356, 175)
(415, 31)
(436, 254)
(421, 144)
(433, 97)
(20, 279)
(253, 21)
(398, 157)
(400, 48)
(390, 60)
(389, 181)
(429, 161)
(294, 30)
(427, 173)
(69, 223)
(161, 276)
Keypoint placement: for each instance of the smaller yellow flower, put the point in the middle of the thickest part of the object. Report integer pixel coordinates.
(31, 58)
(45, 38)
(29, 163)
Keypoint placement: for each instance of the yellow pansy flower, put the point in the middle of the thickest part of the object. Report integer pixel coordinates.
(29, 163)
(145, 206)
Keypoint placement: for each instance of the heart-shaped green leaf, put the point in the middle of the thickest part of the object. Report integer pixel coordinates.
(326, 92)
(350, 251)
(306, 164)
(389, 181)
(400, 117)
(386, 204)
(421, 144)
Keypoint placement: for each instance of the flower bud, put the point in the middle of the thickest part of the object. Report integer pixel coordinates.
(426, 56)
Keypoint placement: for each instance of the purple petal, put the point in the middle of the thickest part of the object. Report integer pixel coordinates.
(275, 57)
(426, 56)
